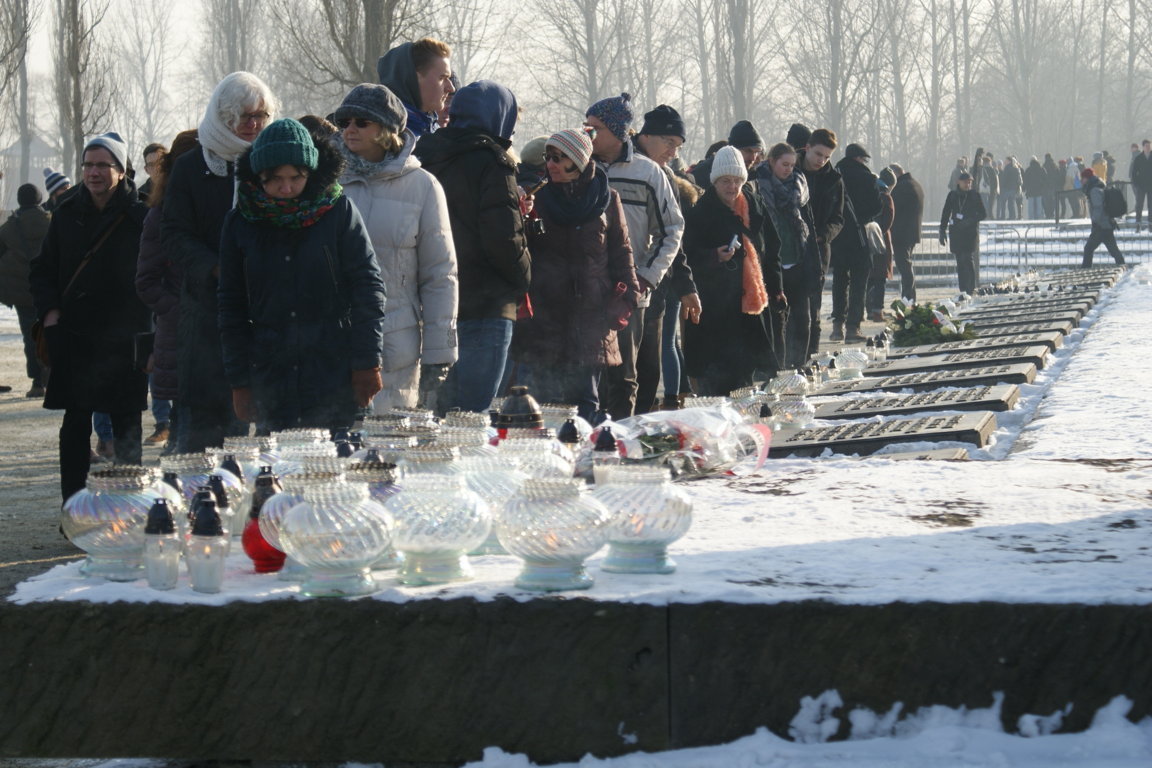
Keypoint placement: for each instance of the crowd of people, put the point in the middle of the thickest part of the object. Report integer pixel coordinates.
(283, 272)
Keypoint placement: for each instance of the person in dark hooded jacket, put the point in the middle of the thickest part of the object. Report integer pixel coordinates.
(470, 160)
(301, 298)
(20, 239)
(851, 256)
(420, 74)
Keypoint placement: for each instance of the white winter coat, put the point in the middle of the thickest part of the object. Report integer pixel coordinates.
(406, 215)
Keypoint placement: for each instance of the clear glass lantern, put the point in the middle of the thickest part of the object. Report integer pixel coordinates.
(697, 401)
(303, 436)
(194, 471)
(469, 441)
(162, 547)
(437, 522)
(380, 477)
(795, 412)
(457, 418)
(851, 362)
(553, 528)
(293, 457)
(540, 457)
(496, 480)
(429, 460)
(337, 531)
(275, 508)
(555, 414)
(107, 518)
(265, 446)
(648, 514)
(789, 383)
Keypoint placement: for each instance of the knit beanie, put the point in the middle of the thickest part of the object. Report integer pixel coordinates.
(284, 142)
(744, 136)
(376, 103)
(664, 121)
(533, 152)
(798, 135)
(115, 145)
(728, 162)
(575, 144)
(28, 195)
(616, 113)
(54, 180)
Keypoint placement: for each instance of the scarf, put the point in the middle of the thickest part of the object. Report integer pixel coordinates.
(755, 296)
(219, 145)
(785, 198)
(256, 206)
(358, 166)
(577, 202)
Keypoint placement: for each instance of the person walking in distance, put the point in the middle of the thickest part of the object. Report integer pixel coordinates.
(908, 199)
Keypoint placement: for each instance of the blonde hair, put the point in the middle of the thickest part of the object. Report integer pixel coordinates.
(391, 141)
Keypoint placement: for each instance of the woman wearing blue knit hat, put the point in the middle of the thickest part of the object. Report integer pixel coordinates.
(301, 299)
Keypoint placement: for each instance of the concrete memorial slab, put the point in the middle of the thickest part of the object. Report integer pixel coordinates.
(1063, 327)
(1052, 339)
(1039, 300)
(936, 454)
(1030, 353)
(1013, 311)
(1009, 373)
(996, 397)
(865, 437)
(994, 321)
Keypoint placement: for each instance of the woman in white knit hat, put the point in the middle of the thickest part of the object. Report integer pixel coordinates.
(584, 284)
(734, 254)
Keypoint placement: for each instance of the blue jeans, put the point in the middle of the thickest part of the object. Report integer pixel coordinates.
(474, 381)
(102, 423)
(161, 409)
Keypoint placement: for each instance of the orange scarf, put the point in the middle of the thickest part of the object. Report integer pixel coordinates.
(755, 296)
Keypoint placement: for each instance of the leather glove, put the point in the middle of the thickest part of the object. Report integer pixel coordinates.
(365, 386)
(242, 404)
(432, 376)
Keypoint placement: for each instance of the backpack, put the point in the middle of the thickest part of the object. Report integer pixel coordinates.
(1115, 206)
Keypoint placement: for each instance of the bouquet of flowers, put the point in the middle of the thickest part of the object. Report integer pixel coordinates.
(927, 324)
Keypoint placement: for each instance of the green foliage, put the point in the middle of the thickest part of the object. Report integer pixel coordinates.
(923, 324)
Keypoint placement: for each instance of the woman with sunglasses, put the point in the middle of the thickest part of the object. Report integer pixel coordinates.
(406, 215)
(301, 300)
(584, 284)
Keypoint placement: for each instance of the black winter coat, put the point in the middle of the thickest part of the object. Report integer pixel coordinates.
(195, 204)
(158, 286)
(962, 214)
(861, 205)
(20, 240)
(826, 199)
(575, 270)
(92, 346)
(908, 199)
(300, 309)
(1035, 180)
(727, 340)
(479, 181)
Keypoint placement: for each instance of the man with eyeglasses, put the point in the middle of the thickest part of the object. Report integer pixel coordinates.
(83, 286)
(153, 156)
(655, 228)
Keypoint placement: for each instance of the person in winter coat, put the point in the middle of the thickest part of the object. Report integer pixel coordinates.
(584, 285)
(470, 160)
(158, 281)
(200, 192)
(56, 186)
(420, 75)
(744, 137)
(851, 254)
(1053, 183)
(301, 299)
(827, 204)
(406, 214)
(20, 240)
(1103, 226)
(785, 192)
(1011, 184)
(735, 255)
(960, 219)
(987, 183)
(90, 311)
(1142, 181)
(908, 200)
(881, 262)
(1035, 187)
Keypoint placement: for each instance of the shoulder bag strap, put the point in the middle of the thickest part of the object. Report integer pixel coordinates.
(91, 251)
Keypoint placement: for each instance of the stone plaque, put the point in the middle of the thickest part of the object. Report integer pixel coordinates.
(1013, 318)
(1009, 373)
(935, 454)
(1036, 300)
(993, 397)
(1035, 354)
(1051, 339)
(870, 436)
(1064, 327)
(1013, 311)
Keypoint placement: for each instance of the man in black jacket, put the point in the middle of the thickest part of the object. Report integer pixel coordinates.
(826, 197)
(90, 311)
(908, 199)
(1142, 181)
(470, 160)
(960, 226)
(851, 257)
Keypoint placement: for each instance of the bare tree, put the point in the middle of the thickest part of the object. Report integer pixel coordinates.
(232, 38)
(476, 32)
(587, 52)
(149, 51)
(17, 18)
(81, 77)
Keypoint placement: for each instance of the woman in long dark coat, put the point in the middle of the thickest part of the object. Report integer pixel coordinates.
(734, 342)
(301, 298)
(584, 282)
